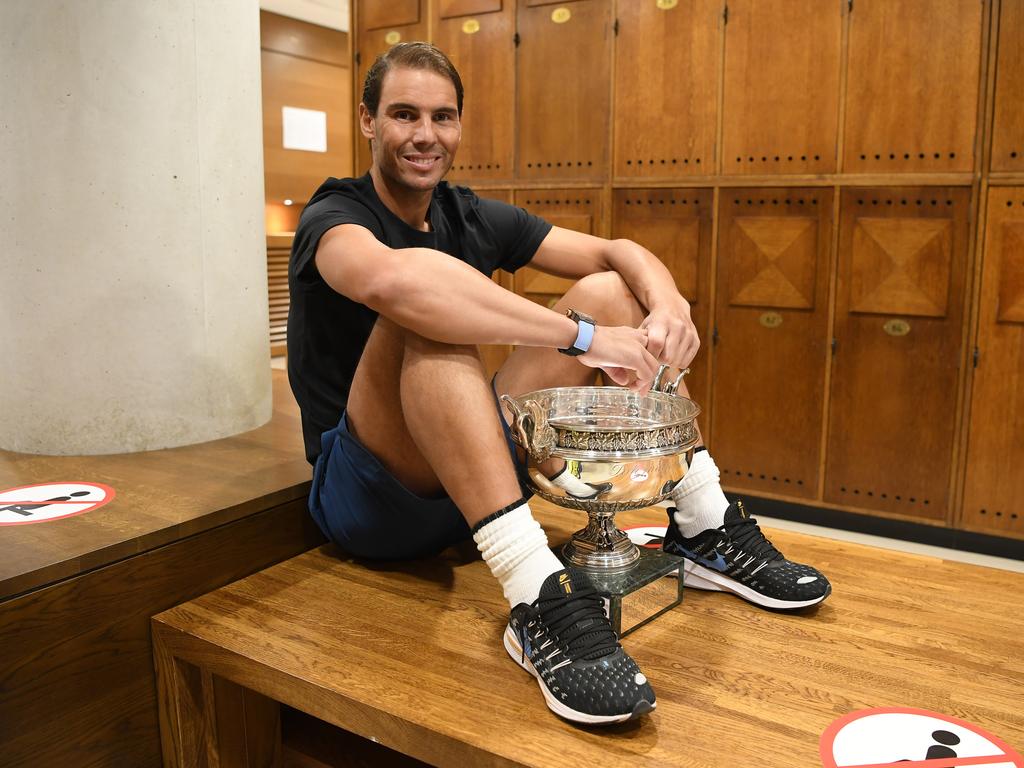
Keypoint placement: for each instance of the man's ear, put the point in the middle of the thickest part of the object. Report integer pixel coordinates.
(366, 121)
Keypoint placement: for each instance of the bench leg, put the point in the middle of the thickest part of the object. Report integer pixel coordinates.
(209, 722)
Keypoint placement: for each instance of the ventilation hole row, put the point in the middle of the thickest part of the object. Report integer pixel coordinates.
(883, 495)
(761, 476)
(902, 202)
(559, 164)
(672, 201)
(665, 161)
(1009, 203)
(906, 155)
(999, 513)
(577, 201)
(776, 158)
(775, 201)
(478, 167)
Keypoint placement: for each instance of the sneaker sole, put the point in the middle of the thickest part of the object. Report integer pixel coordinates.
(699, 577)
(516, 652)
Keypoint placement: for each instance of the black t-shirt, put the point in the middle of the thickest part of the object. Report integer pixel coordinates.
(328, 331)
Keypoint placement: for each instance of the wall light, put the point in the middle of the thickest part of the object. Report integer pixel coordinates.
(287, 202)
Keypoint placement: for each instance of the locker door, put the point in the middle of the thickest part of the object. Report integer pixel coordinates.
(1008, 130)
(912, 93)
(781, 86)
(563, 90)
(478, 37)
(675, 225)
(898, 328)
(381, 24)
(771, 311)
(994, 484)
(666, 75)
(494, 355)
(578, 209)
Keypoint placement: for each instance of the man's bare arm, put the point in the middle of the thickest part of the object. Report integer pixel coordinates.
(444, 299)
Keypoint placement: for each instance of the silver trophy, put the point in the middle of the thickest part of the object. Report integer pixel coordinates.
(628, 450)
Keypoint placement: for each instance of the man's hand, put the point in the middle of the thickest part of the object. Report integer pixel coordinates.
(622, 353)
(671, 336)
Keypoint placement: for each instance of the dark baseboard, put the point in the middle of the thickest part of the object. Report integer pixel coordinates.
(965, 541)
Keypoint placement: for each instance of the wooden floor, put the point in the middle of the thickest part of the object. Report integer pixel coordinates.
(161, 497)
(411, 657)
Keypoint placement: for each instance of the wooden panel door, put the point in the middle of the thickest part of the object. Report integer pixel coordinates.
(494, 355)
(479, 39)
(1008, 128)
(563, 91)
(666, 83)
(781, 86)
(381, 25)
(898, 330)
(578, 209)
(675, 225)
(771, 313)
(913, 85)
(994, 486)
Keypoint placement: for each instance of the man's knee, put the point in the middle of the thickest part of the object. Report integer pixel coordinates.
(606, 296)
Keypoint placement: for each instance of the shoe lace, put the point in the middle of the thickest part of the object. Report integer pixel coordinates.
(746, 535)
(578, 624)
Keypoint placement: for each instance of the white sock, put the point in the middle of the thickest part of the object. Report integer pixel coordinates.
(515, 548)
(572, 485)
(698, 499)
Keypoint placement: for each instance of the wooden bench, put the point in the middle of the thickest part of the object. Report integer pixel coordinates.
(410, 656)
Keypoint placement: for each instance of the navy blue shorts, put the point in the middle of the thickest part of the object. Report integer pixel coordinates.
(368, 513)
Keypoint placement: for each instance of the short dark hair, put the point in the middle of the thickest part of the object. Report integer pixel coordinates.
(413, 56)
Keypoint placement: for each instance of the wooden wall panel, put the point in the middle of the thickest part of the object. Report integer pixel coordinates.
(771, 312)
(300, 38)
(781, 86)
(1008, 128)
(675, 225)
(481, 46)
(278, 252)
(666, 90)
(373, 41)
(577, 209)
(288, 80)
(898, 326)
(562, 85)
(377, 14)
(909, 108)
(994, 485)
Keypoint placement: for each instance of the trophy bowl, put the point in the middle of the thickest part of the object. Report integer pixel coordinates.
(626, 449)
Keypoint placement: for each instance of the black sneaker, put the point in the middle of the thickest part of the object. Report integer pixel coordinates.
(566, 641)
(738, 558)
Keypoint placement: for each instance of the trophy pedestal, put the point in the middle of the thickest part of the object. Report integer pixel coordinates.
(641, 594)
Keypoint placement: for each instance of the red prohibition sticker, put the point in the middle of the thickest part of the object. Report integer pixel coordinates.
(911, 738)
(43, 502)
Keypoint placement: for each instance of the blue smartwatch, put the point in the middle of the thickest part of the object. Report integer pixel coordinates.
(584, 336)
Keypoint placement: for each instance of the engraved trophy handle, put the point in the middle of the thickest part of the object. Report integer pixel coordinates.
(530, 428)
(662, 384)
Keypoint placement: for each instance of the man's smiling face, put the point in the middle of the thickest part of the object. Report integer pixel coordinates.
(416, 130)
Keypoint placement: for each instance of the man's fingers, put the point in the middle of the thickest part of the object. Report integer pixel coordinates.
(656, 338)
(619, 375)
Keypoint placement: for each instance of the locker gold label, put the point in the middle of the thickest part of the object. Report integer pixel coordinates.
(770, 319)
(561, 15)
(896, 327)
(667, 5)
(392, 37)
(470, 26)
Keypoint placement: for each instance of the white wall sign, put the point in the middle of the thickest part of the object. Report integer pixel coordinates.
(304, 129)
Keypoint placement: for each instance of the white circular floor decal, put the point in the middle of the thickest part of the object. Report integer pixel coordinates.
(51, 501)
(911, 738)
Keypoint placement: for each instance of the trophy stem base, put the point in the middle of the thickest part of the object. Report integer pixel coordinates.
(640, 594)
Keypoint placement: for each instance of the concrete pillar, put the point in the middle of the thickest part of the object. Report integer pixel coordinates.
(133, 285)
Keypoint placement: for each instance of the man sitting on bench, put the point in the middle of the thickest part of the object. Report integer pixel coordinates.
(390, 297)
